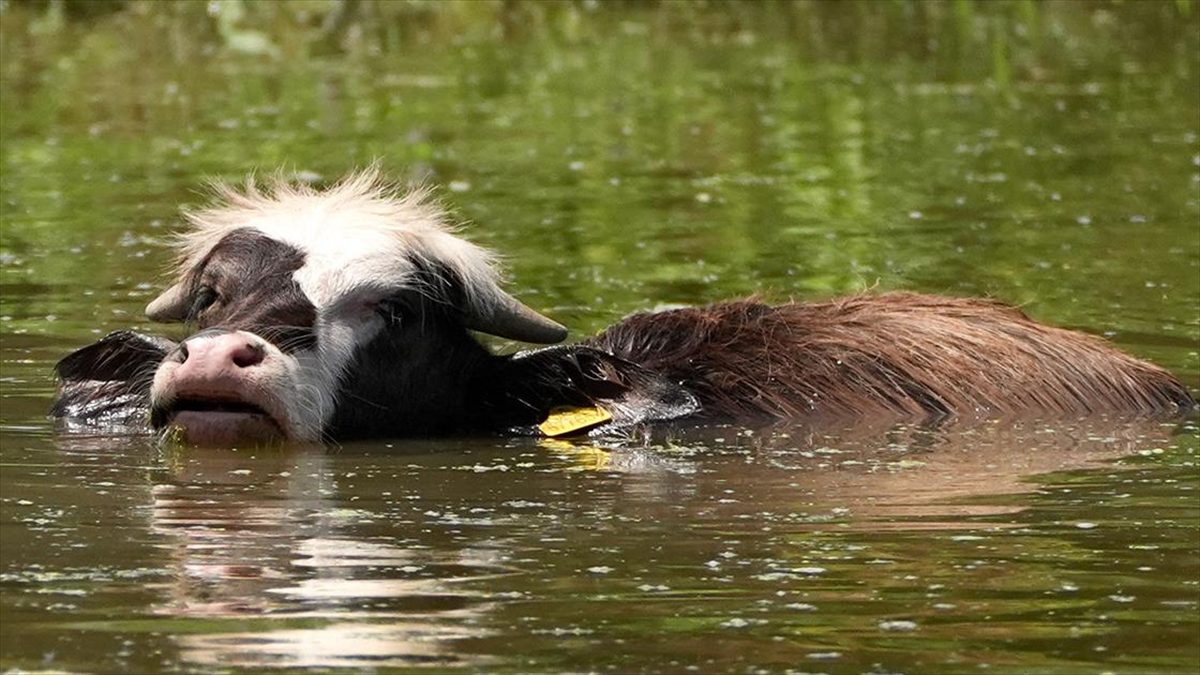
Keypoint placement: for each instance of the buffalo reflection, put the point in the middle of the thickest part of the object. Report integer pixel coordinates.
(265, 535)
(909, 476)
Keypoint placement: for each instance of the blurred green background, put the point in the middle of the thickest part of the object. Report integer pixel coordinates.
(627, 154)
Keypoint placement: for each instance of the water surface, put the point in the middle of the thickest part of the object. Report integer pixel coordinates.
(1046, 155)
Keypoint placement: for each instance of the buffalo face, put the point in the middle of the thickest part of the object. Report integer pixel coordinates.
(300, 297)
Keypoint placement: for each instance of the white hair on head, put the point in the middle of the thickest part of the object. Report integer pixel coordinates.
(358, 231)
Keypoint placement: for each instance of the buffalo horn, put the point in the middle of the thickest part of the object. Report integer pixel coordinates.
(506, 317)
(170, 306)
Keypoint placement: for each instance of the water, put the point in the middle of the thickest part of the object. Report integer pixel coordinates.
(621, 160)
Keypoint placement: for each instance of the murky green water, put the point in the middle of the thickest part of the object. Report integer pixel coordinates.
(622, 159)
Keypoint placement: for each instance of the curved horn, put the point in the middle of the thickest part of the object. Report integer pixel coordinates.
(506, 317)
(169, 307)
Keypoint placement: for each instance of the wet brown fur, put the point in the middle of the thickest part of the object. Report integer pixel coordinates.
(901, 354)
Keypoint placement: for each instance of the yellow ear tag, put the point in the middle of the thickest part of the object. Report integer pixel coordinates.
(564, 421)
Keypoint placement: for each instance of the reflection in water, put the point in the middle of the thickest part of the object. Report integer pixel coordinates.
(538, 555)
(339, 645)
(254, 536)
(910, 476)
(841, 543)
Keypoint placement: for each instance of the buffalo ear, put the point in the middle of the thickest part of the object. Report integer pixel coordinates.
(533, 383)
(117, 357)
(632, 393)
(169, 307)
(109, 380)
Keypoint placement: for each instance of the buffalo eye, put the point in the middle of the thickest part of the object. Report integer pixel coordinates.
(392, 310)
(204, 298)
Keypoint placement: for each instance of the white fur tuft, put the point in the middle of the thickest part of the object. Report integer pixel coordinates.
(358, 233)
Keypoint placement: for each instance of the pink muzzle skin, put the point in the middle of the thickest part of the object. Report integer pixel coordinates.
(217, 394)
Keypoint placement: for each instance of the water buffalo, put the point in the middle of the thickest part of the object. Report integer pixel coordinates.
(347, 313)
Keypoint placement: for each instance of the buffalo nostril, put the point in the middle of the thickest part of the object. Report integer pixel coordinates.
(248, 354)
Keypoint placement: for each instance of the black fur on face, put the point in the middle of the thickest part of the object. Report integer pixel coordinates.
(246, 283)
(412, 378)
